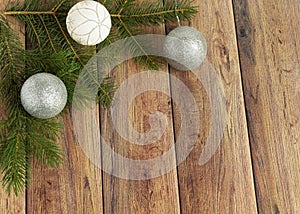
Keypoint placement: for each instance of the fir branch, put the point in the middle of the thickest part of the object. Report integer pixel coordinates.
(147, 13)
(126, 15)
(47, 32)
(14, 162)
(18, 133)
(149, 59)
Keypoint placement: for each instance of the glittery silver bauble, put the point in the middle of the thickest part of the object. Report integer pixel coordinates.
(43, 95)
(185, 48)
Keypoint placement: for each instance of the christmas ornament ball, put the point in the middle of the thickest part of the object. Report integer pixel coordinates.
(185, 48)
(43, 95)
(88, 22)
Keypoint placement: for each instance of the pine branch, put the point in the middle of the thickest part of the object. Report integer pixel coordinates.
(147, 13)
(126, 15)
(18, 134)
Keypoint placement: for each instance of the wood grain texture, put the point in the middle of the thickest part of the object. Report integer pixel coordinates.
(225, 183)
(9, 203)
(269, 45)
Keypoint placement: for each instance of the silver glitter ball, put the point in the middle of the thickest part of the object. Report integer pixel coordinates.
(185, 48)
(44, 95)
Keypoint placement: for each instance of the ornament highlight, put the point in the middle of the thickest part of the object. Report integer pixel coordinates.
(43, 95)
(187, 45)
(88, 22)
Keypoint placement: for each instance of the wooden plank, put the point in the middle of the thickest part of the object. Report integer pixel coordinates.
(157, 195)
(9, 203)
(75, 187)
(225, 183)
(269, 45)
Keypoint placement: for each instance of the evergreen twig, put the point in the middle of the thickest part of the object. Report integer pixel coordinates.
(20, 134)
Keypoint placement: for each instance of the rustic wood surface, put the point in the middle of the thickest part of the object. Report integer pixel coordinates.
(269, 45)
(254, 47)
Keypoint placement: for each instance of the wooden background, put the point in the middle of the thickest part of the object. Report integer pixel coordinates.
(254, 45)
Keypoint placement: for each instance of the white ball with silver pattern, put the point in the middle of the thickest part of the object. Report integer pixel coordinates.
(187, 48)
(44, 95)
(88, 22)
